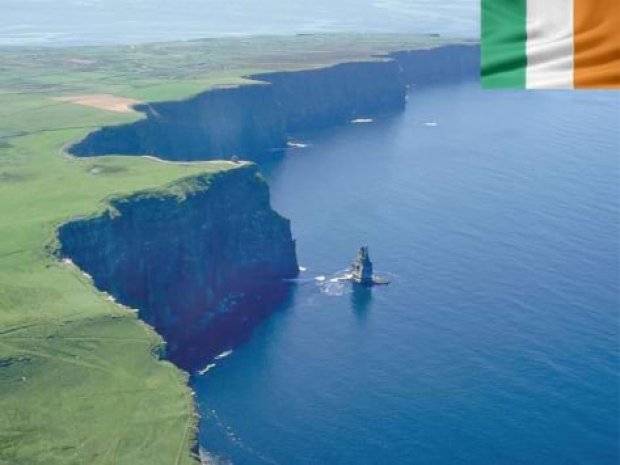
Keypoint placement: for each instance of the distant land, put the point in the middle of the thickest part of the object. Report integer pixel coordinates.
(95, 22)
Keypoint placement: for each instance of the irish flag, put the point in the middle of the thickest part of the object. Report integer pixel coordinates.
(551, 44)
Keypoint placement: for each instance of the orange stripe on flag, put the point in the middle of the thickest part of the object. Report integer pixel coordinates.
(597, 43)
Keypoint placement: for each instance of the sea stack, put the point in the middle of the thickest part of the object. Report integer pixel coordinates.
(362, 272)
(362, 268)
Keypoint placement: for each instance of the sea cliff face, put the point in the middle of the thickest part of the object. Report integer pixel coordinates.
(254, 121)
(443, 65)
(243, 121)
(202, 260)
(326, 97)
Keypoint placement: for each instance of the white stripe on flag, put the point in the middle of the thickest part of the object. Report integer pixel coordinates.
(549, 45)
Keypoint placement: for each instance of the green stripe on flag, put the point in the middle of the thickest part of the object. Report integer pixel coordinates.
(504, 37)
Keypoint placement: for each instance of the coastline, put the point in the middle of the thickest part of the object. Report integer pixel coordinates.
(164, 175)
(253, 120)
(300, 128)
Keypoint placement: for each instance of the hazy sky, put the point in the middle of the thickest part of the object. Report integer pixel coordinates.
(106, 21)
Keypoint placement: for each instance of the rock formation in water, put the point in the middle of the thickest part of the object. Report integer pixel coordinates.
(254, 121)
(201, 259)
(361, 269)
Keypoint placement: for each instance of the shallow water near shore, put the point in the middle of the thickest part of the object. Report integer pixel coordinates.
(496, 216)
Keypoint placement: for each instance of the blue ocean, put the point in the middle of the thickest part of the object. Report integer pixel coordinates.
(495, 214)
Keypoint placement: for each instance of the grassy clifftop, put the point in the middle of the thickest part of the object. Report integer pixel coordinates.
(78, 380)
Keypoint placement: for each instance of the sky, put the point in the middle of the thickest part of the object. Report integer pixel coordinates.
(63, 22)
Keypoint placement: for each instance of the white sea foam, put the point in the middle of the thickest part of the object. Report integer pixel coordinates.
(320, 278)
(362, 120)
(431, 124)
(333, 288)
(223, 355)
(206, 369)
(69, 262)
(296, 145)
(303, 268)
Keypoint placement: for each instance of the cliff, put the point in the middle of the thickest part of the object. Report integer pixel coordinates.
(444, 65)
(205, 259)
(243, 121)
(253, 121)
(194, 258)
(326, 97)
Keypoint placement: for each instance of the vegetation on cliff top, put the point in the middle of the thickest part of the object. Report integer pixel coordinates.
(78, 381)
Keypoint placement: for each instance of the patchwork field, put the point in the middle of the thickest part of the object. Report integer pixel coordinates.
(102, 101)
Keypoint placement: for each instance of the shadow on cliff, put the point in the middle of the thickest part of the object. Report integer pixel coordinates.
(228, 330)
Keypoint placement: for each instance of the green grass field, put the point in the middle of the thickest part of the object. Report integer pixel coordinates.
(79, 379)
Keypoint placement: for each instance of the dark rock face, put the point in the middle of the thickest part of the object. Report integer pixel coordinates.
(243, 121)
(201, 268)
(253, 121)
(362, 268)
(444, 65)
(330, 96)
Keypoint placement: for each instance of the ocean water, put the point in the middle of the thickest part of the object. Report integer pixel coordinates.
(79, 22)
(496, 215)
